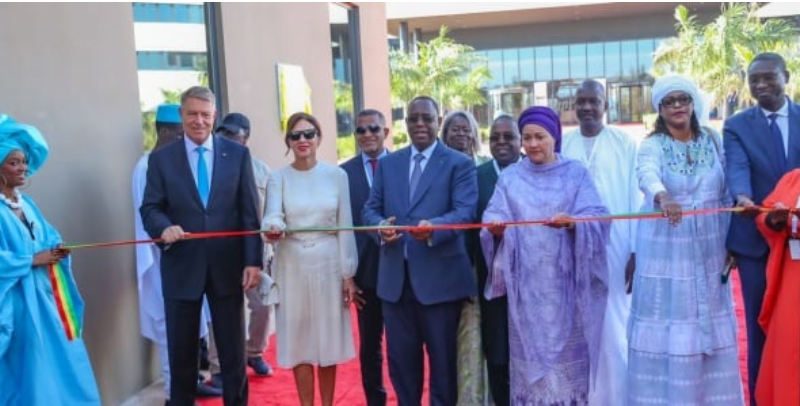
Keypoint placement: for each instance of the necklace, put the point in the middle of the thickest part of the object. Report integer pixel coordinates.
(14, 205)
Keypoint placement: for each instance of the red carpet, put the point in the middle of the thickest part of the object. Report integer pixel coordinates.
(279, 389)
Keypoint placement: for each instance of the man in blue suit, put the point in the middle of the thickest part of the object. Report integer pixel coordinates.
(424, 276)
(203, 183)
(370, 133)
(761, 143)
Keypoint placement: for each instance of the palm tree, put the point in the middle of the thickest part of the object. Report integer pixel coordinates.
(716, 55)
(441, 68)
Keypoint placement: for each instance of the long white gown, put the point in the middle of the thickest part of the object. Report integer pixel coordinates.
(309, 268)
(612, 163)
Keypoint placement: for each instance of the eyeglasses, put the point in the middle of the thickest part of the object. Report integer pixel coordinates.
(677, 101)
(427, 119)
(307, 134)
(373, 128)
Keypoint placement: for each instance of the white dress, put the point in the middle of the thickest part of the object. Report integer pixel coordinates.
(309, 268)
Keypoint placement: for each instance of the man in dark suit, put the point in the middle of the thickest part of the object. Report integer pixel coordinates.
(505, 144)
(370, 133)
(203, 183)
(761, 144)
(424, 275)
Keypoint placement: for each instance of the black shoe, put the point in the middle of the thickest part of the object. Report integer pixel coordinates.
(206, 390)
(216, 381)
(259, 366)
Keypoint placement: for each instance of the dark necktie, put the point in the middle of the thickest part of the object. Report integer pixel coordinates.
(374, 164)
(777, 138)
(415, 175)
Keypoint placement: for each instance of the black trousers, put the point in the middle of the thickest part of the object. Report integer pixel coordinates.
(412, 328)
(183, 324)
(370, 352)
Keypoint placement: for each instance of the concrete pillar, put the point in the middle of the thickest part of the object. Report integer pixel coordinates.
(70, 70)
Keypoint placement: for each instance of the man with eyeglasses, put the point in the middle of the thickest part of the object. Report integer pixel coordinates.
(370, 134)
(610, 155)
(424, 276)
(236, 127)
(761, 144)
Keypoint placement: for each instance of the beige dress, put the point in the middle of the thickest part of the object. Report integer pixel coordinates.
(309, 268)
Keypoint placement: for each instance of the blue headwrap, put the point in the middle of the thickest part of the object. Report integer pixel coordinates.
(545, 117)
(168, 114)
(16, 136)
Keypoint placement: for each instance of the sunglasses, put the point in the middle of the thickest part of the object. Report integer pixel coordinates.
(307, 134)
(373, 128)
(672, 102)
(425, 118)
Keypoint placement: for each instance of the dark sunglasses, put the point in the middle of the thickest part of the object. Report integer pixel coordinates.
(307, 134)
(373, 128)
(425, 118)
(672, 102)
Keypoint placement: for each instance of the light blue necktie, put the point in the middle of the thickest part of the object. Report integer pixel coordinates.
(777, 139)
(202, 175)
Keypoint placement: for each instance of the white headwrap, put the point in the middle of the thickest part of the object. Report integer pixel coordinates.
(671, 83)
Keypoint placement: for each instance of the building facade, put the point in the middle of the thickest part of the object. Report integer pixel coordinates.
(539, 53)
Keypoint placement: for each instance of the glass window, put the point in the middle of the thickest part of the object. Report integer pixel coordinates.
(560, 62)
(527, 71)
(629, 59)
(495, 57)
(196, 14)
(346, 66)
(510, 67)
(168, 13)
(181, 12)
(186, 60)
(163, 12)
(612, 59)
(577, 61)
(646, 47)
(594, 61)
(544, 67)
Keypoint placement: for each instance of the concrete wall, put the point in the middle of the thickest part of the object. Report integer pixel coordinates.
(258, 36)
(374, 63)
(70, 70)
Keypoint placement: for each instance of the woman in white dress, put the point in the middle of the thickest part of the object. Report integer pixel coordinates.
(312, 269)
(682, 340)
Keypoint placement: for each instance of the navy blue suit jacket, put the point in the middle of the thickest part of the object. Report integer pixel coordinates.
(752, 170)
(171, 198)
(447, 193)
(368, 249)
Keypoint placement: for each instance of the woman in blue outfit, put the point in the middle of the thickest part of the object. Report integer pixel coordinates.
(39, 364)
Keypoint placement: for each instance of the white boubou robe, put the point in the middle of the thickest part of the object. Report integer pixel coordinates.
(612, 164)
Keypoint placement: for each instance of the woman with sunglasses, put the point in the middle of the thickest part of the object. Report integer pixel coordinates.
(313, 269)
(682, 327)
